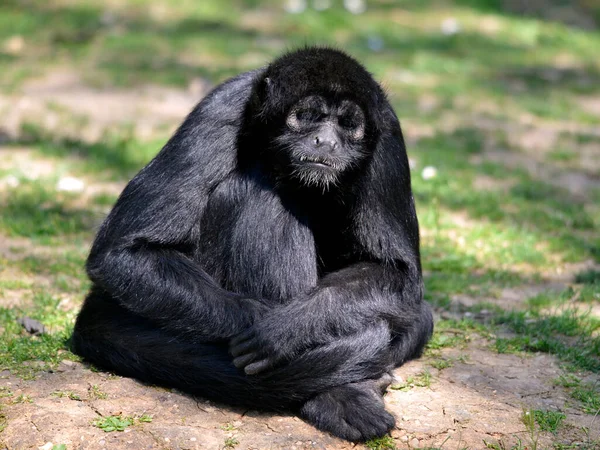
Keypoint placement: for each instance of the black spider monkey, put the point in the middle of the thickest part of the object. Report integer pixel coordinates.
(268, 256)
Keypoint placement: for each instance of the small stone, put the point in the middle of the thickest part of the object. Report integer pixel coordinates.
(70, 184)
(295, 6)
(14, 45)
(11, 181)
(429, 172)
(46, 446)
(355, 6)
(450, 26)
(32, 326)
(461, 415)
(414, 443)
(398, 433)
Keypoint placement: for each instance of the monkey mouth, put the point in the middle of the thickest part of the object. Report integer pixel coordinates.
(315, 160)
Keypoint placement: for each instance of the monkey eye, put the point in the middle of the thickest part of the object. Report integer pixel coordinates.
(309, 115)
(349, 121)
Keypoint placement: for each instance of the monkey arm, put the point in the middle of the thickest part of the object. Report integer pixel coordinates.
(167, 287)
(142, 255)
(343, 303)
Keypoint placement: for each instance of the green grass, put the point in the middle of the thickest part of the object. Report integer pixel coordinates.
(37, 211)
(231, 442)
(68, 394)
(25, 355)
(117, 156)
(145, 418)
(451, 333)
(422, 379)
(95, 393)
(119, 422)
(382, 443)
(548, 420)
(113, 423)
(228, 427)
(586, 393)
(569, 334)
(588, 277)
(441, 363)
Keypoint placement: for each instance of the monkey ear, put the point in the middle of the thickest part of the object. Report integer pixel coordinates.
(267, 85)
(265, 89)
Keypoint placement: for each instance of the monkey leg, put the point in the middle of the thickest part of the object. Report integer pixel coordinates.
(115, 339)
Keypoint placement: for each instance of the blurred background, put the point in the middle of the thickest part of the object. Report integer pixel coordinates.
(499, 101)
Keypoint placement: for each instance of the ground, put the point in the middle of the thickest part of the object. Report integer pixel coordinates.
(501, 114)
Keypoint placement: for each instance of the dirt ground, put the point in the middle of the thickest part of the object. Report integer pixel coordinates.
(479, 399)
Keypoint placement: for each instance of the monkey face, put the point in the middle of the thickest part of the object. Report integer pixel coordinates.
(323, 139)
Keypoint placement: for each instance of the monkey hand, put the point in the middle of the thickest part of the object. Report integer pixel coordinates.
(267, 343)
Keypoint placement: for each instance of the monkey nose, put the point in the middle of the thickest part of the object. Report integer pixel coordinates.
(325, 142)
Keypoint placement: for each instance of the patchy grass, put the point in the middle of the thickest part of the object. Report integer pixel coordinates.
(33, 210)
(454, 333)
(548, 420)
(568, 333)
(95, 393)
(228, 427)
(113, 423)
(68, 394)
(144, 418)
(231, 442)
(120, 422)
(587, 393)
(422, 379)
(382, 443)
(441, 363)
(532, 433)
(25, 354)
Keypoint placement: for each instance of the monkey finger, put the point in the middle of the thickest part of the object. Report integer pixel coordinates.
(257, 367)
(242, 347)
(243, 336)
(244, 360)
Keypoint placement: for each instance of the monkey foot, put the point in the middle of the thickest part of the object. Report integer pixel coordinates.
(354, 412)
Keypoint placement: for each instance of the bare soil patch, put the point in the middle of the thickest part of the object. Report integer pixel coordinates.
(55, 100)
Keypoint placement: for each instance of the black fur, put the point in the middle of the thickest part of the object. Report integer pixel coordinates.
(215, 249)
